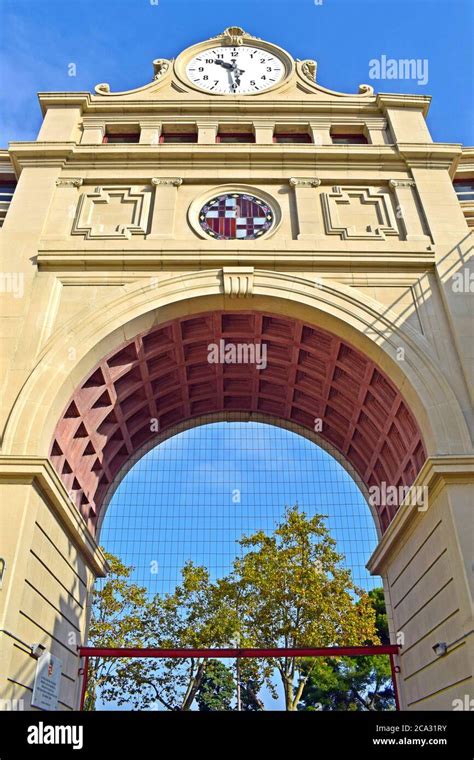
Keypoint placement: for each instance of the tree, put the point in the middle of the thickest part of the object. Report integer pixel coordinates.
(195, 615)
(354, 683)
(253, 674)
(118, 614)
(217, 688)
(377, 599)
(290, 590)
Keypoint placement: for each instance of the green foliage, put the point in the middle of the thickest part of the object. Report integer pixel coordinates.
(119, 610)
(195, 615)
(354, 683)
(217, 688)
(377, 600)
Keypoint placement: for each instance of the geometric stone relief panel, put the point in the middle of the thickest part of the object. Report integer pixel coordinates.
(358, 213)
(113, 212)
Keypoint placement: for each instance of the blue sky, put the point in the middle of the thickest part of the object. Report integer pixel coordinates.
(194, 495)
(115, 41)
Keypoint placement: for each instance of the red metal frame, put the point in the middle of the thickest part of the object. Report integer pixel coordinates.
(387, 649)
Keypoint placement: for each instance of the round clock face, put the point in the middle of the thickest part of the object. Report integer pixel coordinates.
(240, 70)
(236, 216)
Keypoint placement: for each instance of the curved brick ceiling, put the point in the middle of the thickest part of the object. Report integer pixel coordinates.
(165, 374)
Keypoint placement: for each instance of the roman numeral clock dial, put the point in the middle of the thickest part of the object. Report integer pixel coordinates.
(240, 70)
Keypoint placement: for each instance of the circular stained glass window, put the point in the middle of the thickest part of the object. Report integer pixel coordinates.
(236, 216)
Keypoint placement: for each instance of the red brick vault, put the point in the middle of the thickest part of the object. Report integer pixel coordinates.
(165, 374)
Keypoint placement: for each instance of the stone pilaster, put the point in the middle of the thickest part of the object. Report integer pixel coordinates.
(164, 207)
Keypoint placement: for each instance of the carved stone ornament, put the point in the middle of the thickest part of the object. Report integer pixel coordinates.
(394, 183)
(112, 212)
(366, 89)
(304, 182)
(160, 67)
(238, 281)
(309, 69)
(234, 35)
(69, 182)
(358, 213)
(103, 87)
(176, 181)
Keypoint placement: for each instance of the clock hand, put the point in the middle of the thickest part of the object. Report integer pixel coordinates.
(224, 64)
(237, 73)
(231, 79)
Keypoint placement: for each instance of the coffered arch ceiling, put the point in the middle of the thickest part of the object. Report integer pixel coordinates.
(164, 375)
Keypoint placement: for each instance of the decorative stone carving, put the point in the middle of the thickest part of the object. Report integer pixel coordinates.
(176, 181)
(238, 281)
(304, 182)
(358, 213)
(366, 89)
(112, 212)
(102, 88)
(309, 69)
(69, 182)
(394, 183)
(234, 35)
(160, 67)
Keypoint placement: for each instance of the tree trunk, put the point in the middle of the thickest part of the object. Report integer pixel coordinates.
(194, 686)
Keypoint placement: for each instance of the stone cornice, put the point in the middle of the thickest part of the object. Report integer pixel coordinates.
(140, 156)
(93, 104)
(39, 470)
(386, 100)
(430, 155)
(37, 152)
(435, 473)
(47, 99)
(149, 255)
(465, 164)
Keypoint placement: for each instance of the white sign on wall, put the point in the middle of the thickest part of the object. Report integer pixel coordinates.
(47, 682)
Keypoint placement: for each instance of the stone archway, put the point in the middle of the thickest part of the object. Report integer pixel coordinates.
(124, 335)
(336, 308)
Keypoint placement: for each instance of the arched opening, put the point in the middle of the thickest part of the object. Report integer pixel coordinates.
(194, 495)
(190, 499)
(186, 371)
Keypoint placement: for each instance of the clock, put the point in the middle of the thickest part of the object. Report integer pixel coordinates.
(236, 216)
(239, 70)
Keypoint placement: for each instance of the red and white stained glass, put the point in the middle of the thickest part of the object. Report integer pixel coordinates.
(236, 216)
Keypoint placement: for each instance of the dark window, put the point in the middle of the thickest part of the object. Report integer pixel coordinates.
(7, 188)
(122, 137)
(464, 189)
(340, 139)
(178, 137)
(288, 137)
(235, 137)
